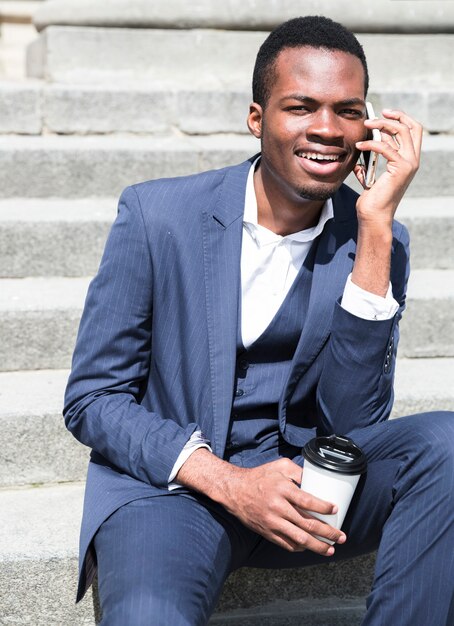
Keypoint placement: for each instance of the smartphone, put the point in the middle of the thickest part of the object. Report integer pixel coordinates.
(371, 158)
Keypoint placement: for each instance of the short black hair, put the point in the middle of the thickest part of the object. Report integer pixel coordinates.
(314, 31)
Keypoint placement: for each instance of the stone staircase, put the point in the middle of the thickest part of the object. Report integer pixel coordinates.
(127, 90)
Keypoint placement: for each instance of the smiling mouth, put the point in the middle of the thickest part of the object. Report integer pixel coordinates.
(316, 156)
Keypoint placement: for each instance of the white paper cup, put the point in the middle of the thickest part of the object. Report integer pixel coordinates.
(332, 468)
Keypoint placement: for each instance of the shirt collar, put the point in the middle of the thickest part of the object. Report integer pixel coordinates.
(262, 235)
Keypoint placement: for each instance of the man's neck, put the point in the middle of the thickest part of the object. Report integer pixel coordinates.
(279, 213)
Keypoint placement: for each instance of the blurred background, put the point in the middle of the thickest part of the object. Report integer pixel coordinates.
(97, 95)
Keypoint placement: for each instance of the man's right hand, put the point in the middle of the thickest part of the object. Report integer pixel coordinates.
(267, 499)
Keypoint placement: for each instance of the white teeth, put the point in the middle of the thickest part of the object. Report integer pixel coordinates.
(318, 157)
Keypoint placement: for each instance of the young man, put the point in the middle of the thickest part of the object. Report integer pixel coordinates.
(235, 314)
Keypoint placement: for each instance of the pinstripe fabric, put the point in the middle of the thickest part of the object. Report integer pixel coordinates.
(261, 371)
(404, 506)
(155, 354)
(174, 581)
(163, 560)
(414, 582)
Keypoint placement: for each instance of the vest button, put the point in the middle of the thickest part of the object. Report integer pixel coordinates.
(239, 392)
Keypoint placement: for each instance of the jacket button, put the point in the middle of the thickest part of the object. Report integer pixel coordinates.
(243, 364)
(239, 392)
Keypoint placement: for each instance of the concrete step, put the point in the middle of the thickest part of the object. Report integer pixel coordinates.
(423, 385)
(39, 319)
(20, 107)
(79, 167)
(66, 54)
(60, 237)
(38, 565)
(37, 448)
(326, 612)
(430, 222)
(38, 570)
(363, 16)
(428, 325)
(34, 107)
(53, 237)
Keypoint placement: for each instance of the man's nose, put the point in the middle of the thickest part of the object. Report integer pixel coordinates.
(325, 127)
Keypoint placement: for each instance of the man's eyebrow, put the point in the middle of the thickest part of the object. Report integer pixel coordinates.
(353, 102)
(302, 98)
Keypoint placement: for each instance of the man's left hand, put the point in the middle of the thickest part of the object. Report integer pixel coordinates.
(401, 147)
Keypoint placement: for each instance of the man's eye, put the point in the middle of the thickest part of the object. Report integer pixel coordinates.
(300, 108)
(353, 113)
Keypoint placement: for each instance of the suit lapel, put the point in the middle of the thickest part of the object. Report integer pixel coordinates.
(222, 235)
(333, 262)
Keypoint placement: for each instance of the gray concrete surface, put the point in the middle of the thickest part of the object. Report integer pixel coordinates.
(20, 108)
(404, 16)
(39, 319)
(53, 237)
(40, 522)
(113, 108)
(326, 612)
(38, 565)
(61, 237)
(37, 448)
(430, 222)
(427, 329)
(156, 109)
(423, 385)
(78, 167)
(65, 54)
(38, 572)
(35, 107)
(145, 83)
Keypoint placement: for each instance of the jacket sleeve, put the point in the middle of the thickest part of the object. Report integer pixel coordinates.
(355, 388)
(111, 360)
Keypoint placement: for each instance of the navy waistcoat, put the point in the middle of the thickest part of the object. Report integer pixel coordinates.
(261, 371)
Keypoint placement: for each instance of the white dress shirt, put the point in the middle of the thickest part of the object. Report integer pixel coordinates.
(269, 265)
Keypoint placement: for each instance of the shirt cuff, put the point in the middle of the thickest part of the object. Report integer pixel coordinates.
(367, 305)
(197, 440)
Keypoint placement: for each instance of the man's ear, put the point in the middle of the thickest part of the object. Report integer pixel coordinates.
(255, 119)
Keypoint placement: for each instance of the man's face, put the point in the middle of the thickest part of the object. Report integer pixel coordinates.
(309, 126)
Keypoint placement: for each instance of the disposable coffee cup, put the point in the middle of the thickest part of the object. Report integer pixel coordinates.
(332, 468)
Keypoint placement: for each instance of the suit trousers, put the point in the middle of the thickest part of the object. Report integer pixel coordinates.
(163, 560)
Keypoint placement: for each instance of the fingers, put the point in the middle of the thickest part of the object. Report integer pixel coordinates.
(299, 513)
(290, 469)
(400, 132)
(416, 130)
(281, 514)
(309, 502)
(389, 151)
(300, 531)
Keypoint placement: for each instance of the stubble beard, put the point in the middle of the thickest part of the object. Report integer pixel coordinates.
(319, 193)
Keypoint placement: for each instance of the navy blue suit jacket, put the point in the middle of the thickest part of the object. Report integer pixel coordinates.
(156, 350)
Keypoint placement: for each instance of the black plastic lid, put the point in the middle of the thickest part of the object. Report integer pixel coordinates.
(337, 454)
